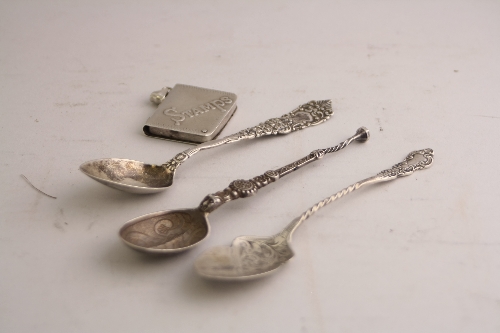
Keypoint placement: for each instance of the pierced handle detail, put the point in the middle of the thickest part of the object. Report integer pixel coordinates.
(309, 114)
(406, 168)
(401, 169)
(244, 188)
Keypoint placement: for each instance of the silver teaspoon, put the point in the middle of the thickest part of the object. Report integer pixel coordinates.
(138, 177)
(251, 257)
(178, 230)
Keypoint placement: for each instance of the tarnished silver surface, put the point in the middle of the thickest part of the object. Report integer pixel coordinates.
(129, 175)
(138, 177)
(178, 230)
(189, 113)
(166, 231)
(251, 257)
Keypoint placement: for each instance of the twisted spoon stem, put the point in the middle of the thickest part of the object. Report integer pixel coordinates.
(398, 170)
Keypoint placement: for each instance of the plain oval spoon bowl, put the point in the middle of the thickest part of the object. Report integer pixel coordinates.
(251, 257)
(142, 178)
(179, 230)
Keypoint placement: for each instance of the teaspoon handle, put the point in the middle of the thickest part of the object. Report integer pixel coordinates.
(244, 188)
(402, 169)
(309, 114)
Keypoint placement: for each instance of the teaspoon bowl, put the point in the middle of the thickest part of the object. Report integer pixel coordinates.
(167, 231)
(248, 257)
(129, 175)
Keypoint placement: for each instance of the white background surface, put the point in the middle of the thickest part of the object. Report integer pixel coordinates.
(420, 254)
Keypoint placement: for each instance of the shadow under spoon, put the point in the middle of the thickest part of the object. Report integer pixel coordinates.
(142, 178)
(178, 230)
(251, 257)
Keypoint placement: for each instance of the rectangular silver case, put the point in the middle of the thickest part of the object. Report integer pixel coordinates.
(191, 114)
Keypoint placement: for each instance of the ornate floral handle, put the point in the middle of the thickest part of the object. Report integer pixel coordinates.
(309, 114)
(244, 188)
(406, 168)
(402, 169)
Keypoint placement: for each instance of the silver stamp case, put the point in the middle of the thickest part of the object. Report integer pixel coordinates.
(191, 114)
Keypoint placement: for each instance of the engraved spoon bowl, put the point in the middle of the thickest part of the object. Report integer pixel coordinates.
(251, 257)
(141, 178)
(248, 257)
(167, 231)
(178, 230)
(129, 175)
